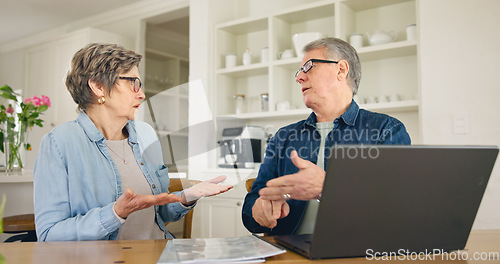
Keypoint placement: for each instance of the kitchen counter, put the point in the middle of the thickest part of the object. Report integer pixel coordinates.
(23, 176)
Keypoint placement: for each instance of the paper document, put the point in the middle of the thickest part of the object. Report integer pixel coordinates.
(246, 249)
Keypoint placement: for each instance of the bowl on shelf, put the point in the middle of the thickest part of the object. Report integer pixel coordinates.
(381, 37)
(302, 39)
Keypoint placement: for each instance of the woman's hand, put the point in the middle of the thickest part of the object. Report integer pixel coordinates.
(130, 202)
(203, 189)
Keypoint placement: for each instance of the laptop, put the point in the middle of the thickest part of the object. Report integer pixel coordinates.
(396, 200)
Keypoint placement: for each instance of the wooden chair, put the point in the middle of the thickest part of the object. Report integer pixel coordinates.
(176, 186)
(22, 225)
(249, 183)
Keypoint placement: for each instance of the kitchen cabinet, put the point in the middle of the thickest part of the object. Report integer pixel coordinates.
(18, 189)
(166, 84)
(388, 69)
(167, 110)
(220, 215)
(46, 67)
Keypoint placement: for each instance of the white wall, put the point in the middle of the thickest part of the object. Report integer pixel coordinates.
(460, 53)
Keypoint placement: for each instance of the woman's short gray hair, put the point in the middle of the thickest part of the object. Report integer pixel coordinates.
(337, 49)
(101, 63)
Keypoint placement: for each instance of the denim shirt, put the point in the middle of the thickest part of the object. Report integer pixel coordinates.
(355, 126)
(76, 181)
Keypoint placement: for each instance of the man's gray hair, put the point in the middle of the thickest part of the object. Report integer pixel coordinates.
(337, 49)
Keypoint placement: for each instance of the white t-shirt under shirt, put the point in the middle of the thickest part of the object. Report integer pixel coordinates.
(306, 225)
(140, 224)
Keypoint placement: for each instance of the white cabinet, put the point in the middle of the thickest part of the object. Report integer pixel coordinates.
(220, 215)
(167, 105)
(166, 86)
(388, 69)
(46, 67)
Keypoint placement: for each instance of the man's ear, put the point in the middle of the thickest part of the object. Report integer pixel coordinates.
(343, 70)
(96, 88)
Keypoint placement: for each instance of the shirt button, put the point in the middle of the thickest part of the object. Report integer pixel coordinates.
(154, 186)
(142, 163)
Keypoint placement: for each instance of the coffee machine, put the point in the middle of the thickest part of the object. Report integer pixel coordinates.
(242, 147)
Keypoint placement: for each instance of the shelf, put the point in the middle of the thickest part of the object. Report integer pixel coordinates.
(389, 107)
(245, 70)
(391, 68)
(392, 107)
(166, 93)
(367, 53)
(160, 55)
(291, 64)
(360, 5)
(389, 50)
(172, 133)
(307, 12)
(244, 25)
(271, 115)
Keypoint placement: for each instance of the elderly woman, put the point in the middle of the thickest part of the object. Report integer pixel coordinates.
(102, 177)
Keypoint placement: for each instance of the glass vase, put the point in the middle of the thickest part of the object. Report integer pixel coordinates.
(14, 149)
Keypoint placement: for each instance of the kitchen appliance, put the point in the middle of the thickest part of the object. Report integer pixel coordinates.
(242, 147)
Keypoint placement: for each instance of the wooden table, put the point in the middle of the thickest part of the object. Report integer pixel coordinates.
(148, 251)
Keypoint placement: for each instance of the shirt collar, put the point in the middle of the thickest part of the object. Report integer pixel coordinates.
(132, 133)
(95, 135)
(89, 127)
(349, 116)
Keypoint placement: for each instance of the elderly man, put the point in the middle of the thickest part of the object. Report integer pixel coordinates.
(285, 196)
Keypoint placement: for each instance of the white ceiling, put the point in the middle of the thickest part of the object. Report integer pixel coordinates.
(20, 18)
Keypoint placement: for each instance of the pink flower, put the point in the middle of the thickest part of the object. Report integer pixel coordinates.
(9, 110)
(27, 100)
(36, 101)
(46, 100)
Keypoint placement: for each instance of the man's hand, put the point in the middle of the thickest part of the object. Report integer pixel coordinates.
(307, 184)
(266, 212)
(130, 202)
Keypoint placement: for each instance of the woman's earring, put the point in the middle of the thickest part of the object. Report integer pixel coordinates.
(101, 100)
